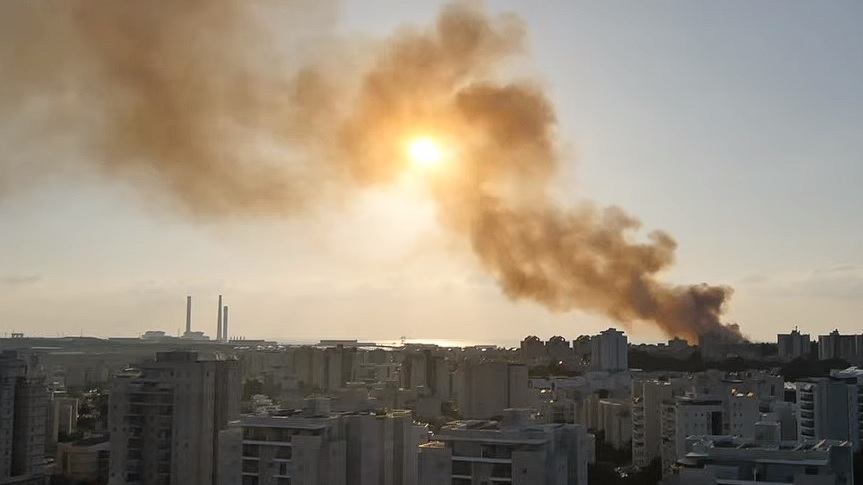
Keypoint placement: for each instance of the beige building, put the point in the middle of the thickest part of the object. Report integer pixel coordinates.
(174, 421)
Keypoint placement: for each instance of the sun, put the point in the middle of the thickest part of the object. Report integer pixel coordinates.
(425, 151)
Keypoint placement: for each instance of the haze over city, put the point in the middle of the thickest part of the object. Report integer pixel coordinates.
(745, 148)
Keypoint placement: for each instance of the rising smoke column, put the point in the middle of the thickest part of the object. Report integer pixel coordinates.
(203, 101)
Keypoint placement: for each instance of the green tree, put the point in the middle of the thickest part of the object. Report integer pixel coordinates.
(252, 387)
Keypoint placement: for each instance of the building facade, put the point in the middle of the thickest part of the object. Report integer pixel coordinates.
(171, 419)
(837, 346)
(316, 447)
(711, 460)
(832, 407)
(23, 419)
(485, 389)
(514, 450)
(647, 420)
(609, 351)
(793, 345)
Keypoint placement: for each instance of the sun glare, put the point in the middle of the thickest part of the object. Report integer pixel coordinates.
(425, 151)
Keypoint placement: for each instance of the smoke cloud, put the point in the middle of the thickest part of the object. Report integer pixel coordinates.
(211, 105)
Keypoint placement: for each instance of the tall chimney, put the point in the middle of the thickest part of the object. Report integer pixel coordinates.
(188, 314)
(225, 323)
(219, 325)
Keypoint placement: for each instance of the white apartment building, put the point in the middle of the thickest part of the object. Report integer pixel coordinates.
(837, 346)
(514, 451)
(23, 419)
(647, 422)
(615, 421)
(173, 421)
(696, 417)
(832, 407)
(793, 345)
(685, 416)
(609, 351)
(714, 460)
(316, 447)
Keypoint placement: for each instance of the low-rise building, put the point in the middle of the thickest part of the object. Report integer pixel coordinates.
(712, 460)
(84, 460)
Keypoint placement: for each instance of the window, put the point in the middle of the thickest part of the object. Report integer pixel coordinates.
(461, 468)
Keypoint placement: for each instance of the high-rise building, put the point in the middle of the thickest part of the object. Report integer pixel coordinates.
(614, 419)
(174, 421)
(23, 419)
(830, 407)
(609, 351)
(793, 345)
(515, 450)
(485, 389)
(62, 415)
(423, 369)
(837, 346)
(647, 432)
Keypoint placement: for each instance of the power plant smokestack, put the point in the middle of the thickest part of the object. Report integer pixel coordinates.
(219, 321)
(225, 323)
(188, 314)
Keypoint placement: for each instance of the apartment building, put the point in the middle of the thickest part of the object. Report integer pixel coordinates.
(832, 407)
(485, 389)
(711, 460)
(838, 346)
(614, 419)
(314, 446)
(793, 345)
(85, 460)
(515, 450)
(23, 419)
(174, 421)
(609, 351)
(647, 420)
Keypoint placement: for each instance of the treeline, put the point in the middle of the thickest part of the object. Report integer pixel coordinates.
(794, 370)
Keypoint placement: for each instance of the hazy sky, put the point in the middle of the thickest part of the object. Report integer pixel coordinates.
(737, 126)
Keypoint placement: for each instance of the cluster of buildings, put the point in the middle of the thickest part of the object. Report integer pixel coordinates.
(347, 412)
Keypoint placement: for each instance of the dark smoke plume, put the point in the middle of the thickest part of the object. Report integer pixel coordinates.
(208, 102)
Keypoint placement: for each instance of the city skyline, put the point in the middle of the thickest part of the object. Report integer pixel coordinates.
(749, 160)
